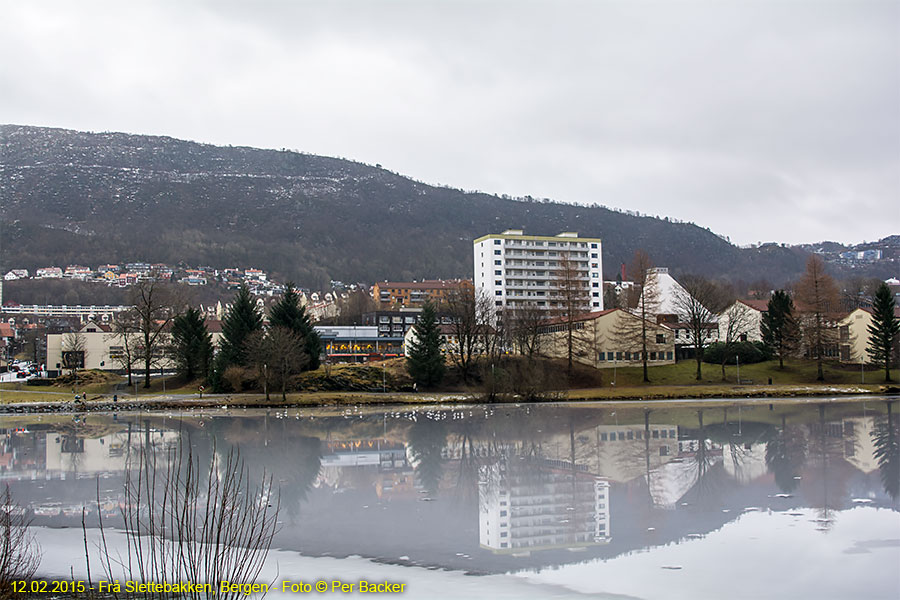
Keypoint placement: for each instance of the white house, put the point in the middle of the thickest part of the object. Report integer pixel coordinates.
(744, 319)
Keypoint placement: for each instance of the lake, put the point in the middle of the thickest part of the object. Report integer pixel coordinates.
(640, 500)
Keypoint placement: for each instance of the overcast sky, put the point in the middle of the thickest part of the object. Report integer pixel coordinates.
(760, 120)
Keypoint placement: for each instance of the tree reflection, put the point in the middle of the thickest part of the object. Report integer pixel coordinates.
(426, 440)
(825, 447)
(887, 452)
(786, 456)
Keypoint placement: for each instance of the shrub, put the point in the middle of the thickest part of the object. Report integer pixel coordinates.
(748, 352)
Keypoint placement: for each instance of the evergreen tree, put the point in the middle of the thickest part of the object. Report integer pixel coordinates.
(242, 319)
(778, 327)
(290, 314)
(192, 344)
(426, 363)
(884, 329)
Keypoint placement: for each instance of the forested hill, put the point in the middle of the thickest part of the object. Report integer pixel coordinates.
(71, 197)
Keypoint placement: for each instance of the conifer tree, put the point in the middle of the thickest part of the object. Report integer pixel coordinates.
(425, 362)
(192, 344)
(242, 319)
(884, 329)
(778, 327)
(288, 313)
(817, 295)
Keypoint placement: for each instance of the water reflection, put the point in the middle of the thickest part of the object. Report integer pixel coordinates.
(486, 489)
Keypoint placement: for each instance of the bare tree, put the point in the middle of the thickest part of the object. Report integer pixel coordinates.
(695, 303)
(354, 306)
(524, 326)
(74, 352)
(277, 355)
(818, 299)
(630, 333)
(182, 522)
(124, 335)
(471, 315)
(569, 303)
(735, 324)
(19, 553)
(155, 307)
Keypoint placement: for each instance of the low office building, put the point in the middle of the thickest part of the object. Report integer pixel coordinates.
(608, 338)
(96, 346)
(355, 343)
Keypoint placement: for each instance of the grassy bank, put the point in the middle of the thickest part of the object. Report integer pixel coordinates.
(387, 383)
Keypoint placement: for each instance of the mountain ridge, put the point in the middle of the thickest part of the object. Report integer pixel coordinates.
(89, 198)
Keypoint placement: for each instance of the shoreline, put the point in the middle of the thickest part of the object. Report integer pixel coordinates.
(726, 393)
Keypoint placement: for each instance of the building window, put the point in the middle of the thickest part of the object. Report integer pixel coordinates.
(668, 356)
(593, 255)
(663, 450)
(496, 242)
(628, 356)
(595, 275)
(660, 338)
(595, 284)
(593, 245)
(498, 262)
(595, 294)
(743, 337)
(596, 305)
(499, 292)
(653, 356)
(618, 356)
(498, 272)
(497, 252)
(601, 356)
(499, 303)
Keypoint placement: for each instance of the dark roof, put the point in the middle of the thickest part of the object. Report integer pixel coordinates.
(760, 305)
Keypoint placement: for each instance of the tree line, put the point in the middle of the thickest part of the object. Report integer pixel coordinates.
(161, 329)
(499, 350)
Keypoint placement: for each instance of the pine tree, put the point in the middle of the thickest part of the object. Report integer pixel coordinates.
(290, 314)
(242, 320)
(192, 344)
(425, 362)
(778, 327)
(884, 329)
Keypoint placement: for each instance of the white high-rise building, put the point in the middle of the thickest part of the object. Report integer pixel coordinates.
(519, 270)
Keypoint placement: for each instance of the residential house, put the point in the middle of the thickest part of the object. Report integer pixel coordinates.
(77, 272)
(49, 273)
(747, 315)
(854, 336)
(16, 274)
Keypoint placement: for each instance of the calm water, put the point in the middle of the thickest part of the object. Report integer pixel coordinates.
(792, 501)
